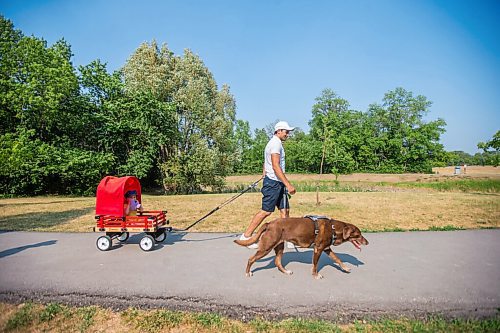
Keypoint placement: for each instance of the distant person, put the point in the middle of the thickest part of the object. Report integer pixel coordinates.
(132, 205)
(465, 168)
(275, 184)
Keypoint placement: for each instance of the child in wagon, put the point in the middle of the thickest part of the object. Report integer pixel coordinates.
(132, 205)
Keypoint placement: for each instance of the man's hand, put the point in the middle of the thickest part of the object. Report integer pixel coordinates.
(291, 189)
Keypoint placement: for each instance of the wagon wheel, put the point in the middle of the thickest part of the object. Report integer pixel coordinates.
(147, 242)
(160, 237)
(104, 243)
(123, 237)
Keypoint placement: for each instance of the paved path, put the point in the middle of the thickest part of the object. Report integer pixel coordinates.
(412, 273)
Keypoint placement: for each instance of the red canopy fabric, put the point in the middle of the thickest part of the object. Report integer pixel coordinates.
(110, 196)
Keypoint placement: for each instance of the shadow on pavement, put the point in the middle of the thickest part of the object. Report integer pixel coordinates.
(175, 237)
(306, 258)
(15, 250)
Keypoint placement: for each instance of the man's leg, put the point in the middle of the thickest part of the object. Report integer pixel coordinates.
(284, 213)
(256, 221)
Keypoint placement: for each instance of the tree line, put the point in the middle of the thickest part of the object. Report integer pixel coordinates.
(163, 118)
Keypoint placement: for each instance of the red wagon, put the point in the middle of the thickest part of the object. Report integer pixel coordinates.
(111, 217)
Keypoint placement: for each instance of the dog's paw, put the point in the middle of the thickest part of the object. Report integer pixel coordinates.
(287, 272)
(318, 276)
(345, 268)
(249, 274)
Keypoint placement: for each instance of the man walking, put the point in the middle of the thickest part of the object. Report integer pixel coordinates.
(275, 185)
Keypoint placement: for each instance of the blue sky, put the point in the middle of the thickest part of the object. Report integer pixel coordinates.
(277, 56)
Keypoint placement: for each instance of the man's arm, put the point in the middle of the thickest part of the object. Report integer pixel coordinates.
(275, 159)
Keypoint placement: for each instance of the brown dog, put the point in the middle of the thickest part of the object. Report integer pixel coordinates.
(301, 231)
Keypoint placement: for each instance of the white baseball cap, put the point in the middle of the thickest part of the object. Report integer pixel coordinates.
(283, 125)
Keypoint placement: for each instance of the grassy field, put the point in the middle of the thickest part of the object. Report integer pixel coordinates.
(30, 317)
(373, 211)
(374, 202)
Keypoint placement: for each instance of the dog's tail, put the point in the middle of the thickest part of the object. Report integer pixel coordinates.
(254, 238)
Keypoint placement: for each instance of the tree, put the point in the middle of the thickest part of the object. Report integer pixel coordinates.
(242, 144)
(338, 128)
(491, 157)
(200, 151)
(42, 121)
(408, 143)
(9, 68)
(133, 126)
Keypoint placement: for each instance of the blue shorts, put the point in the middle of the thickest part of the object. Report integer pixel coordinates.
(273, 195)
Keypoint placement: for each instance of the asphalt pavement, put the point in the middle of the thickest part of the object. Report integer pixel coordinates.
(414, 274)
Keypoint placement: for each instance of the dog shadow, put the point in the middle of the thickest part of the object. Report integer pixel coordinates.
(306, 257)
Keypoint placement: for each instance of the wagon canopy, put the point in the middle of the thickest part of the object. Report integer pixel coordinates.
(110, 196)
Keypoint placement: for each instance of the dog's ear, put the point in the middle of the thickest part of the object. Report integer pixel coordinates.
(347, 231)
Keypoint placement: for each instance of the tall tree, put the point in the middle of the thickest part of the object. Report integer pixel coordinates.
(491, 157)
(338, 128)
(9, 70)
(407, 142)
(200, 151)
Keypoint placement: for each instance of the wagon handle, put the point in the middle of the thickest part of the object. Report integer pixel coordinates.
(251, 186)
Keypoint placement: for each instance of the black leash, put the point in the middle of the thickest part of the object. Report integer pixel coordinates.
(222, 205)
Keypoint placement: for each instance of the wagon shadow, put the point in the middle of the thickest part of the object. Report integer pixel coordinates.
(15, 250)
(306, 257)
(135, 239)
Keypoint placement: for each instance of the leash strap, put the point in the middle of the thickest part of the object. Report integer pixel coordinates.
(334, 237)
(315, 219)
(228, 201)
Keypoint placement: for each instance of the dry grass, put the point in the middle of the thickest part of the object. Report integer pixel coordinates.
(376, 211)
(390, 209)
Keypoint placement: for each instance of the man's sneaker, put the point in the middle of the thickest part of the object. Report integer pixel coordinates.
(290, 245)
(251, 246)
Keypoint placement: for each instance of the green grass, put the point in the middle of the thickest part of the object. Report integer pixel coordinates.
(208, 320)
(21, 318)
(460, 185)
(445, 228)
(444, 185)
(152, 321)
(87, 317)
(54, 317)
(308, 325)
(432, 228)
(306, 186)
(434, 325)
(50, 312)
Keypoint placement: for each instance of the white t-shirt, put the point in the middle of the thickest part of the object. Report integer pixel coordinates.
(274, 146)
